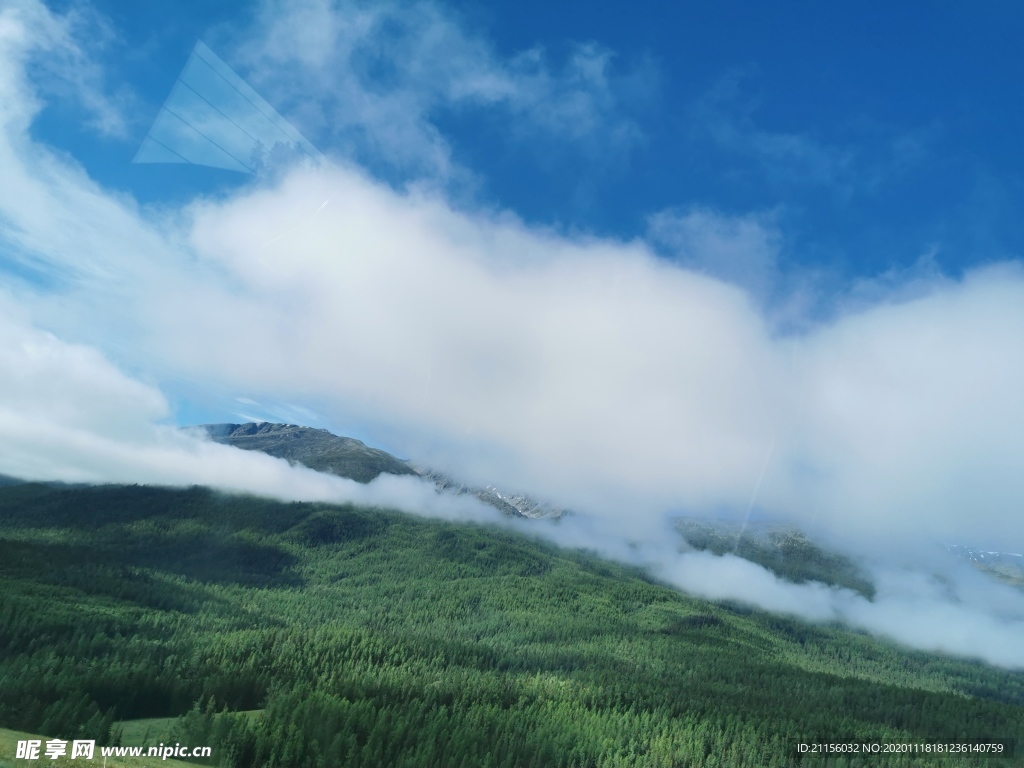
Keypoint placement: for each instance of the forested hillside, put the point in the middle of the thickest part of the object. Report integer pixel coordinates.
(373, 638)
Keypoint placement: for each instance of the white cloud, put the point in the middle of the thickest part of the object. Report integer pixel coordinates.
(907, 415)
(374, 78)
(50, 46)
(742, 250)
(948, 608)
(598, 373)
(586, 370)
(532, 346)
(731, 116)
(908, 608)
(66, 413)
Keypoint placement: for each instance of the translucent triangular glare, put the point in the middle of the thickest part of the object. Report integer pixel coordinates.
(213, 117)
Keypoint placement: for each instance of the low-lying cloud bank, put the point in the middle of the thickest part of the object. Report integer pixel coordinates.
(68, 414)
(589, 371)
(946, 608)
(958, 616)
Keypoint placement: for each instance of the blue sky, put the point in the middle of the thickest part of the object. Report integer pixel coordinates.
(873, 134)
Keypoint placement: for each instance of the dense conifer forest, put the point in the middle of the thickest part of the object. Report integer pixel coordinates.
(298, 635)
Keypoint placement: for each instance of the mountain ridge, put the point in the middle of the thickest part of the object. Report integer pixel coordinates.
(317, 449)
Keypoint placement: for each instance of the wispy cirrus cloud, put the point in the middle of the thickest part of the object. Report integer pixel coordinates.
(60, 64)
(863, 156)
(742, 250)
(375, 77)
